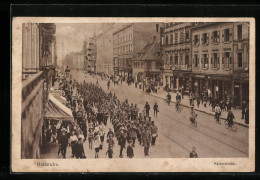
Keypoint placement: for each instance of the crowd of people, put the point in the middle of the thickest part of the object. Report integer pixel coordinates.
(93, 111)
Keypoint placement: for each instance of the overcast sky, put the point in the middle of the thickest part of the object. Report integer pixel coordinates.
(73, 36)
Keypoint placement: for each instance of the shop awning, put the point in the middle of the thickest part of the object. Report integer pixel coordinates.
(57, 111)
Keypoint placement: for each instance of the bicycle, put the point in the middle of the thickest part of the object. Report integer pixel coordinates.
(217, 118)
(178, 106)
(167, 101)
(232, 125)
(193, 120)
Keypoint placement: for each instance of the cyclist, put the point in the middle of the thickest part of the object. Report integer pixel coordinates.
(217, 113)
(193, 115)
(230, 118)
(168, 98)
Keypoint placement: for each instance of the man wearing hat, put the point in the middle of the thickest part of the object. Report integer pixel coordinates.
(155, 109)
(146, 138)
(130, 150)
(147, 108)
(63, 141)
(122, 141)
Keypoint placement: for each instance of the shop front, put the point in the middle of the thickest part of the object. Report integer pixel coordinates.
(240, 87)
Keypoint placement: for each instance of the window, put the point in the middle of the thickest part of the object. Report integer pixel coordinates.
(227, 60)
(205, 61)
(171, 39)
(187, 36)
(171, 60)
(215, 36)
(176, 60)
(196, 60)
(181, 37)
(215, 63)
(226, 35)
(239, 32)
(205, 39)
(157, 28)
(186, 60)
(149, 65)
(196, 40)
(239, 59)
(166, 40)
(176, 37)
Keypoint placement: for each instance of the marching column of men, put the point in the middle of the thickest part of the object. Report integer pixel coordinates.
(91, 108)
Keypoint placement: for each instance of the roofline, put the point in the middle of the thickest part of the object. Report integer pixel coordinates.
(122, 28)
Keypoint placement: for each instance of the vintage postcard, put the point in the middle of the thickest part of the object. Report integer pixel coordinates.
(133, 94)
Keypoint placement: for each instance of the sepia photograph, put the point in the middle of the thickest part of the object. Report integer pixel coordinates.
(133, 90)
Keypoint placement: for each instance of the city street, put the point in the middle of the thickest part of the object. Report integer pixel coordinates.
(176, 135)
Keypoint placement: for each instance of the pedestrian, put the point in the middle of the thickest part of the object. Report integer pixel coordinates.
(73, 140)
(132, 135)
(90, 138)
(147, 108)
(97, 144)
(243, 109)
(198, 101)
(154, 133)
(247, 115)
(130, 150)
(193, 153)
(155, 109)
(110, 141)
(146, 139)
(110, 152)
(79, 149)
(63, 141)
(122, 141)
(191, 99)
(205, 99)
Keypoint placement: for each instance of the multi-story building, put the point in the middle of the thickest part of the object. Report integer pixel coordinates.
(240, 83)
(176, 49)
(128, 40)
(219, 50)
(38, 68)
(104, 46)
(91, 54)
(147, 63)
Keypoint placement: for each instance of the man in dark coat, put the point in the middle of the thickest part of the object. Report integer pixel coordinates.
(63, 141)
(146, 138)
(243, 109)
(193, 154)
(130, 150)
(147, 108)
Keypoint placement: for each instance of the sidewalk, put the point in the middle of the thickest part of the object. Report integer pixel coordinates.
(185, 102)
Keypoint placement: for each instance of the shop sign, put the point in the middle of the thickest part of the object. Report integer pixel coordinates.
(236, 86)
(199, 76)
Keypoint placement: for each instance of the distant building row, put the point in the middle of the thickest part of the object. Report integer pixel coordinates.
(210, 57)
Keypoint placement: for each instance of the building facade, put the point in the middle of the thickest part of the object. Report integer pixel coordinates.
(38, 68)
(146, 64)
(126, 42)
(104, 46)
(220, 55)
(176, 49)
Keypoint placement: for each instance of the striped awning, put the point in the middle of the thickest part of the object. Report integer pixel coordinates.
(57, 111)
